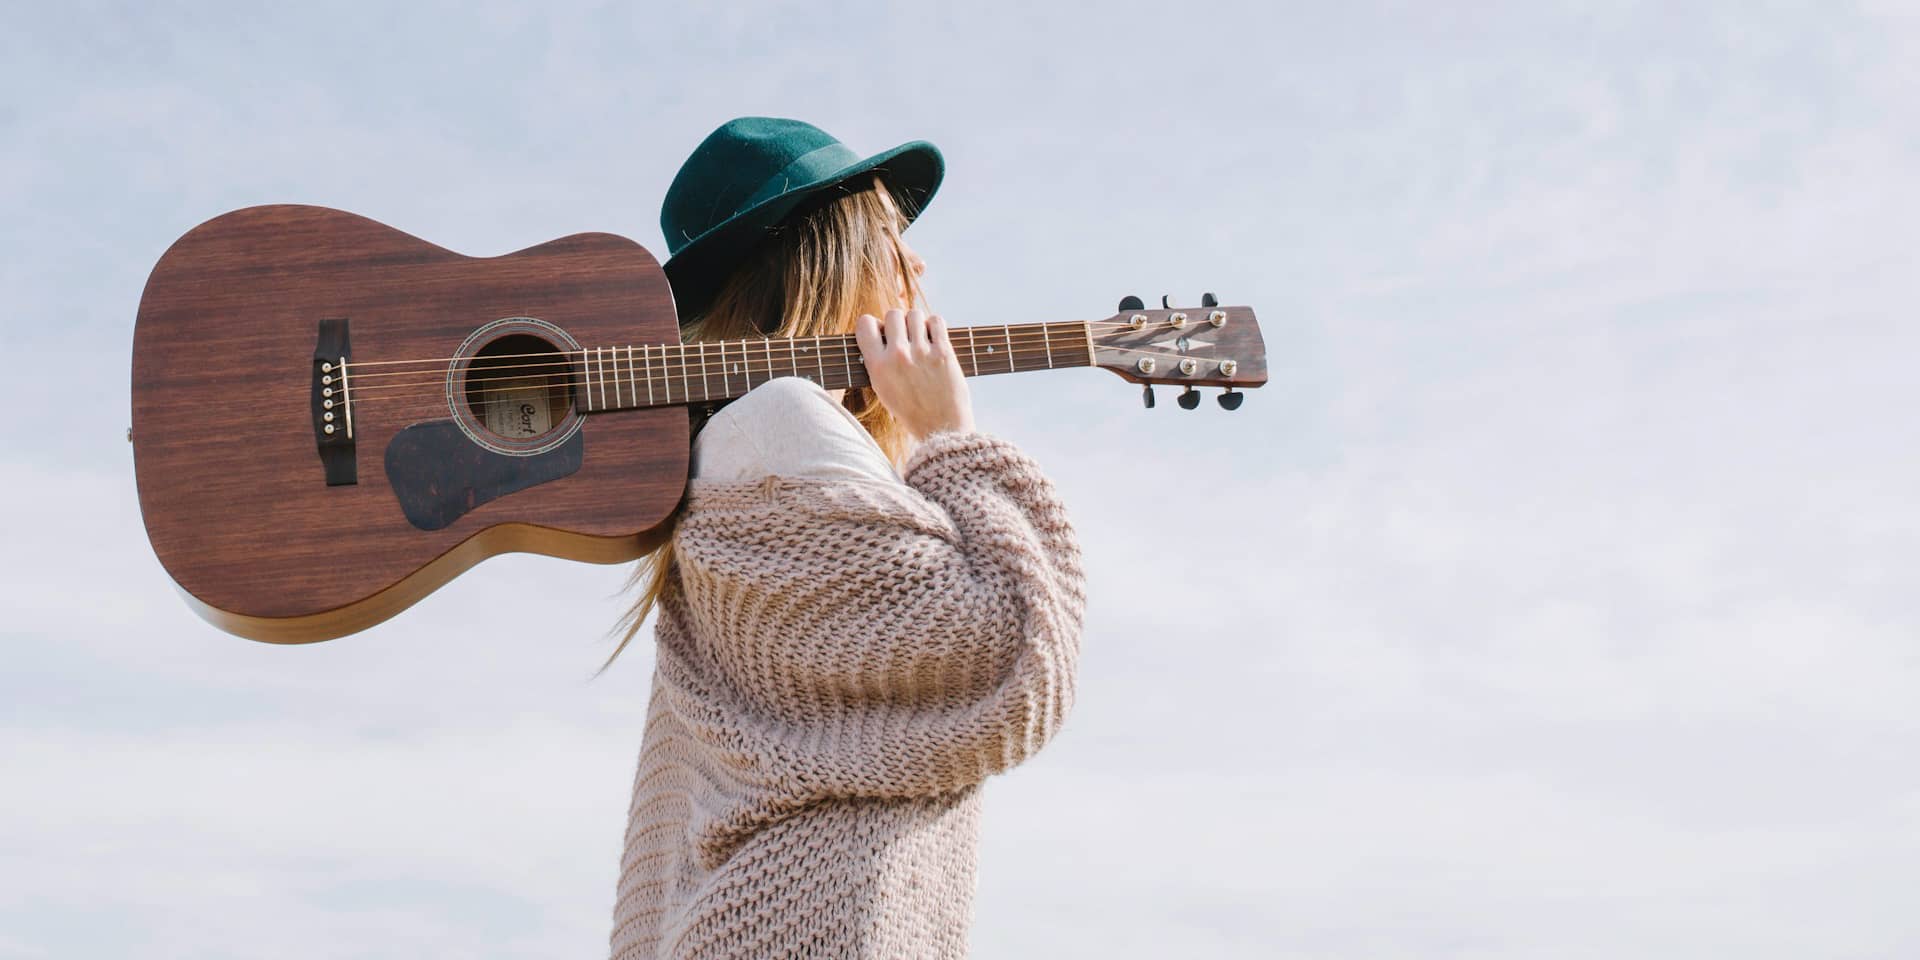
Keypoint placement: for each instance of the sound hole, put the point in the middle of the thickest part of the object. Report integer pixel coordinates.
(517, 387)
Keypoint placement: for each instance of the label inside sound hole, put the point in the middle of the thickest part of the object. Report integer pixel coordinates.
(518, 409)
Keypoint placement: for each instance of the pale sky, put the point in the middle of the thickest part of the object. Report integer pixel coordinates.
(1556, 599)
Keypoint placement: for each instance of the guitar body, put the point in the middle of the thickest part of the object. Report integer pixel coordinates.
(275, 533)
(332, 418)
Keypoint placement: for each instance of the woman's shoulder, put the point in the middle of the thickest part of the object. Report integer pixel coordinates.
(788, 426)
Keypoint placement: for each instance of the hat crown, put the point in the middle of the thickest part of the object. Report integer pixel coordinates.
(744, 162)
(755, 173)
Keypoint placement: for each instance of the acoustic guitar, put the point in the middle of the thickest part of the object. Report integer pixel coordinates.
(332, 419)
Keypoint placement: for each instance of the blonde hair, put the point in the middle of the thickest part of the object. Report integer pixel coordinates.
(822, 268)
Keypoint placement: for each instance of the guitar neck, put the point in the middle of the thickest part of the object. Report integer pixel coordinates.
(658, 375)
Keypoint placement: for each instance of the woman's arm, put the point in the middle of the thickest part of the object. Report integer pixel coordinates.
(881, 639)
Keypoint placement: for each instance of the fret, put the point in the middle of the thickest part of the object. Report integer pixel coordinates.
(599, 365)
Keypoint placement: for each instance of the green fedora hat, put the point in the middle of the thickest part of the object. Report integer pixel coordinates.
(748, 176)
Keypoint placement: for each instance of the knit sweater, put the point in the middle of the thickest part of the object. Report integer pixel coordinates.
(840, 664)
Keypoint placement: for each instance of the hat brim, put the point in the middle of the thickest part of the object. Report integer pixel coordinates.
(911, 172)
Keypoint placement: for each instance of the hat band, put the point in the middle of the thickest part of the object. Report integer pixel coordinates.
(809, 167)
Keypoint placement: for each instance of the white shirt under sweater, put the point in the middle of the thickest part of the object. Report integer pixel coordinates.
(789, 427)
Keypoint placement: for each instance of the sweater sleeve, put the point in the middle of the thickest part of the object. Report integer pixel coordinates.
(866, 639)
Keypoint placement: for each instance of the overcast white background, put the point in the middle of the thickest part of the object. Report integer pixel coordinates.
(1556, 599)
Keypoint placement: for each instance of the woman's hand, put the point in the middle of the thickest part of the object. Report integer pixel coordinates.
(914, 371)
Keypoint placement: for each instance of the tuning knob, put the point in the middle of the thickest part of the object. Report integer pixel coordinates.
(1230, 399)
(1188, 398)
(1208, 300)
(1164, 305)
(1131, 303)
(1146, 395)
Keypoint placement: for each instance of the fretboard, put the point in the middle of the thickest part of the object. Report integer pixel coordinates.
(657, 375)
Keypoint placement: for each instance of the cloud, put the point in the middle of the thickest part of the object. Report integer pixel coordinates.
(1559, 581)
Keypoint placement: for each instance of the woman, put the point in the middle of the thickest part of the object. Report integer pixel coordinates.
(866, 608)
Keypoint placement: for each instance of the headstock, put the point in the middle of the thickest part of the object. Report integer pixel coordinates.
(1205, 346)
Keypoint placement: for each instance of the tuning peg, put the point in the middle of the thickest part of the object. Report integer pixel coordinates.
(1132, 303)
(1230, 399)
(1208, 300)
(1146, 395)
(1188, 398)
(1164, 305)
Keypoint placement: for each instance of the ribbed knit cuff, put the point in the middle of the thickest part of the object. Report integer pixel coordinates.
(944, 445)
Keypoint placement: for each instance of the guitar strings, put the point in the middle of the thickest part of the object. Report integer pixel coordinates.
(604, 360)
(669, 381)
(631, 386)
(630, 381)
(628, 394)
(952, 332)
(664, 360)
(1023, 330)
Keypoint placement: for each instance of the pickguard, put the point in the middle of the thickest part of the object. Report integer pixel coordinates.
(439, 474)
